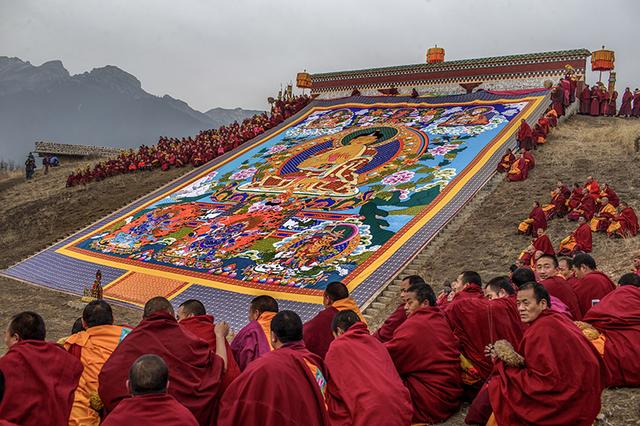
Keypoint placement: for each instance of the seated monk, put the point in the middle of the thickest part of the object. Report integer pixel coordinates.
(543, 243)
(539, 135)
(536, 220)
(556, 285)
(317, 331)
(544, 123)
(525, 136)
(468, 285)
(557, 207)
(592, 187)
(254, 340)
(150, 403)
(192, 316)
(555, 376)
(526, 259)
(579, 240)
(92, 347)
(617, 319)
(507, 160)
(576, 196)
(592, 285)
(587, 208)
(602, 219)
(522, 276)
(610, 193)
(386, 330)
(625, 224)
(195, 372)
(283, 387)
(477, 323)
(565, 267)
(425, 353)
(364, 385)
(528, 156)
(519, 170)
(552, 116)
(37, 378)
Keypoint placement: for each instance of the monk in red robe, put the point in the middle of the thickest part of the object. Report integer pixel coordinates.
(602, 219)
(543, 243)
(557, 100)
(611, 107)
(525, 136)
(317, 331)
(468, 285)
(40, 377)
(283, 387)
(554, 378)
(576, 196)
(557, 207)
(625, 224)
(397, 317)
(425, 353)
(625, 106)
(635, 109)
(519, 170)
(196, 373)
(552, 116)
(617, 318)
(585, 100)
(593, 285)
(610, 193)
(565, 267)
(364, 385)
(254, 340)
(586, 209)
(556, 285)
(536, 220)
(580, 240)
(592, 186)
(539, 135)
(150, 404)
(505, 163)
(596, 96)
(544, 124)
(192, 316)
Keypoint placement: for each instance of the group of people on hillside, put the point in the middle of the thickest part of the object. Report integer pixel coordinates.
(207, 145)
(597, 101)
(595, 208)
(504, 345)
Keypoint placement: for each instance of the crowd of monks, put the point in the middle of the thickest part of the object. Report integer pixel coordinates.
(597, 100)
(504, 346)
(207, 145)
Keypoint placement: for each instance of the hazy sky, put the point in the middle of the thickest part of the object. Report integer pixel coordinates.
(238, 52)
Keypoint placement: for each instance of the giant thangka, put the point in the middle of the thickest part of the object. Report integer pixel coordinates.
(346, 191)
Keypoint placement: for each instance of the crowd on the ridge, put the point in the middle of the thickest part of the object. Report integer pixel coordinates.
(598, 101)
(207, 145)
(535, 347)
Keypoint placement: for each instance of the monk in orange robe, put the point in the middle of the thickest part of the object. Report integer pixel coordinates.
(507, 160)
(624, 224)
(92, 347)
(286, 386)
(150, 403)
(425, 353)
(537, 220)
(592, 285)
(617, 318)
(519, 170)
(254, 340)
(192, 316)
(195, 372)
(364, 385)
(533, 384)
(317, 331)
(579, 240)
(602, 219)
(39, 377)
(556, 285)
(552, 116)
(592, 186)
(397, 317)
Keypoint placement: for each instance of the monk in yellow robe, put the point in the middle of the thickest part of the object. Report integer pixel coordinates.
(604, 218)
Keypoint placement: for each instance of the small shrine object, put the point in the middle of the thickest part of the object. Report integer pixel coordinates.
(303, 80)
(435, 55)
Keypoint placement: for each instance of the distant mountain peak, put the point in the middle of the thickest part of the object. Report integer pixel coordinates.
(113, 78)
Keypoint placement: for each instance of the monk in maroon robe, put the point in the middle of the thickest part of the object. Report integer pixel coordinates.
(468, 285)
(525, 135)
(554, 377)
(625, 224)
(611, 107)
(635, 109)
(192, 316)
(539, 219)
(580, 240)
(556, 285)
(150, 404)
(585, 100)
(425, 353)
(576, 196)
(625, 106)
(397, 317)
(543, 243)
(196, 373)
(519, 170)
(557, 100)
(254, 340)
(283, 387)
(592, 285)
(586, 209)
(40, 378)
(610, 193)
(594, 108)
(364, 385)
(505, 163)
(617, 318)
(317, 331)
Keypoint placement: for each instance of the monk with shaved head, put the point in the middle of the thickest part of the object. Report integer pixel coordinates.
(254, 340)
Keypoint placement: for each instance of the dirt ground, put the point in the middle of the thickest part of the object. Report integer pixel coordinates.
(35, 214)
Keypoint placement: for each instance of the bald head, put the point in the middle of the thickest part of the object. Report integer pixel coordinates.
(148, 374)
(157, 304)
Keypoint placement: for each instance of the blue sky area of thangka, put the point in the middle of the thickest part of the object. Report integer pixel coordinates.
(307, 206)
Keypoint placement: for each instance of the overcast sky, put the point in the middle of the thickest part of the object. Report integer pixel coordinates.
(237, 52)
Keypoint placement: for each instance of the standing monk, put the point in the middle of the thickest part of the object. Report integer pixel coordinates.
(592, 285)
(525, 136)
(585, 100)
(580, 240)
(425, 353)
(594, 108)
(254, 340)
(625, 106)
(38, 377)
(283, 387)
(364, 385)
(317, 331)
(611, 107)
(635, 110)
(555, 376)
(397, 317)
